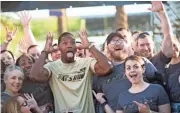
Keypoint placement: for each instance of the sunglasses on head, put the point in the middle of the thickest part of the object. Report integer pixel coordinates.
(143, 35)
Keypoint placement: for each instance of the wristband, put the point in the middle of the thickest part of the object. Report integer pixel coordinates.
(90, 46)
(103, 104)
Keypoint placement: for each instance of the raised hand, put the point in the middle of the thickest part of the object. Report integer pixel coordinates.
(83, 36)
(143, 108)
(25, 18)
(157, 6)
(49, 41)
(31, 101)
(10, 34)
(23, 46)
(99, 97)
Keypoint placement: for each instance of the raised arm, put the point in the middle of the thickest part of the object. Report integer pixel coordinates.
(167, 46)
(9, 37)
(102, 66)
(103, 102)
(38, 72)
(25, 19)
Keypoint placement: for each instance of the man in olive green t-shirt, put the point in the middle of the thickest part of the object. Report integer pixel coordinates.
(70, 78)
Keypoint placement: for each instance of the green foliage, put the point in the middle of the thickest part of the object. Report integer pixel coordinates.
(40, 27)
(74, 24)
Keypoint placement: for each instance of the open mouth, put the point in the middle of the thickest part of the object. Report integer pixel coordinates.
(16, 87)
(118, 49)
(70, 54)
(7, 64)
(28, 70)
(133, 75)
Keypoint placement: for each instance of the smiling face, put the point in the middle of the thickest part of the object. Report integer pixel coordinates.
(118, 48)
(13, 80)
(67, 46)
(134, 70)
(7, 58)
(25, 63)
(145, 47)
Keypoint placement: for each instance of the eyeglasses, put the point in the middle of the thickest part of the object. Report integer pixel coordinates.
(113, 42)
(24, 104)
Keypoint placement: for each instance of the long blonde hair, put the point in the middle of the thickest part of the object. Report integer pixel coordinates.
(11, 105)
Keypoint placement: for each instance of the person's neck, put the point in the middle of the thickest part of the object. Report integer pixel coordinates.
(117, 62)
(139, 87)
(10, 92)
(66, 62)
(175, 60)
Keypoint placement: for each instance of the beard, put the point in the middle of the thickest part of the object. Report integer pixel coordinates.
(119, 55)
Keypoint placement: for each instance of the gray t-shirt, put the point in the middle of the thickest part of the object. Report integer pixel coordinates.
(41, 91)
(160, 60)
(116, 82)
(172, 68)
(154, 95)
(174, 87)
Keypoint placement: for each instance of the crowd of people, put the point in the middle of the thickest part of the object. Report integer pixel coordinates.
(125, 76)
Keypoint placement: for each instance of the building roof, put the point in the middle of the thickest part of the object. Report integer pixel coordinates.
(12, 6)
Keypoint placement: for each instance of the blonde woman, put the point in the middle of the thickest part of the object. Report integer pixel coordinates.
(21, 104)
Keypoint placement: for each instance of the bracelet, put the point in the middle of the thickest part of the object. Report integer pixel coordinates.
(44, 52)
(6, 41)
(105, 103)
(90, 46)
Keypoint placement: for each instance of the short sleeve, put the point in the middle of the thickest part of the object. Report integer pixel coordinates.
(150, 69)
(162, 96)
(92, 65)
(47, 66)
(163, 58)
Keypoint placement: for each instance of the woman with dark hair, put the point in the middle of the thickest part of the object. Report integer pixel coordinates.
(41, 91)
(21, 104)
(142, 97)
(7, 57)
